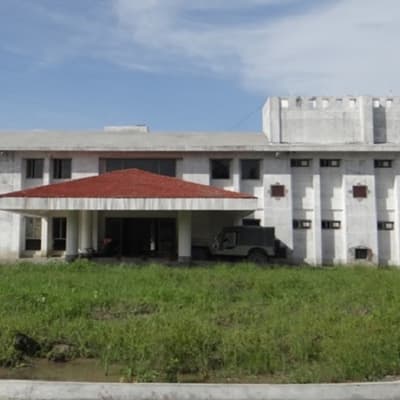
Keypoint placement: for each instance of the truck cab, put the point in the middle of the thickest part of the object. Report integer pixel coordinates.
(255, 243)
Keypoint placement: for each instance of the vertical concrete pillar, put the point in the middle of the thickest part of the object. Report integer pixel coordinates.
(45, 237)
(271, 119)
(19, 235)
(71, 250)
(397, 215)
(316, 226)
(236, 174)
(277, 171)
(85, 231)
(184, 236)
(360, 214)
(46, 171)
(367, 120)
(345, 219)
(95, 230)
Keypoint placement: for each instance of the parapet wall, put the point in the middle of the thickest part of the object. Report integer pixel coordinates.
(349, 119)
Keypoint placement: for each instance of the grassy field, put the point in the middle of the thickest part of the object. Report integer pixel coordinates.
(229, 322)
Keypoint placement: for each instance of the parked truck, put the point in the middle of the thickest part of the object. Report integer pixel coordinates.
(255, 243)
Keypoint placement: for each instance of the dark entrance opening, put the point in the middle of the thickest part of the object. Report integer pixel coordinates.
(135, 237)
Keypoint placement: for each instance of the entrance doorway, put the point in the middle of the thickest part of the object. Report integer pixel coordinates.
(135, 237)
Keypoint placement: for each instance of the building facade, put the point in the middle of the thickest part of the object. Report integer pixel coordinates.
(325, 172)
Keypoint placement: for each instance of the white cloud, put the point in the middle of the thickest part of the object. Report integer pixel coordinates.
(343, 47)
(330, 47)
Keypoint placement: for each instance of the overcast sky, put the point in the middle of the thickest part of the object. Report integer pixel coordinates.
(186, 64)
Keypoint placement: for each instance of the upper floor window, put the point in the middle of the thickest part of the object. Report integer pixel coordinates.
(301, 224)
(383, 163)
(385, 225)
(329, 163)
(34, 168)
(158, 166)
(62, 168)
(220, 169)
(330, 224)
(298, 162)
(250, 169)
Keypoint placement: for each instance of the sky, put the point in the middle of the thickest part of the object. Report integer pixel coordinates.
(186, 65)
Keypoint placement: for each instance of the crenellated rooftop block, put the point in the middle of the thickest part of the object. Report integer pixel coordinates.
(327, 119)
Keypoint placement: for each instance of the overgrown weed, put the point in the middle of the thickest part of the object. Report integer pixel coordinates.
(230, 320)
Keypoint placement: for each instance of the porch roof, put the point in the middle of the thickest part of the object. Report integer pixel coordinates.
(130, 189)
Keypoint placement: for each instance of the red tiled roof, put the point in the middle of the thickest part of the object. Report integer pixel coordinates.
(129, 183)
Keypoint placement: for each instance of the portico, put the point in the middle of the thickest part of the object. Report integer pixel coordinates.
(136, 200)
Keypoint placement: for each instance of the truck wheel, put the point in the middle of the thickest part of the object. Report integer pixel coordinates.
(257, 256)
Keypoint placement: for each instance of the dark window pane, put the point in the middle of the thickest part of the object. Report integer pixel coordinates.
(220, 169)
(385, 225)
(297, 163)
(34, 168)
(143, 164)
(383, 163)
(328, 224)
(329, 163)
(33, 244)
(156, 166)
(113, 164)
(33, 233)
(168, 167)
(62, 168)
(59, 233)
(361, 254)
(250, 169)
(301, 224)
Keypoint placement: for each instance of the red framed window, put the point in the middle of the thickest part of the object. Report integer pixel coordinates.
(360, 191)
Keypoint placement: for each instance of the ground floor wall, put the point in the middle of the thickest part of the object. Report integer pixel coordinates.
(110, 233)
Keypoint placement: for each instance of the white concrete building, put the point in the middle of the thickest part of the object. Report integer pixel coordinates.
(325, 172)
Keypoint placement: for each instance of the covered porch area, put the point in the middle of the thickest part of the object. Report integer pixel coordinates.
(129, 213)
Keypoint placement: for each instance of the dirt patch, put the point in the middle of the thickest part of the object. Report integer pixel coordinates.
(123, 311)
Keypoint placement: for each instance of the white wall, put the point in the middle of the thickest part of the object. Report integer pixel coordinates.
(349, 119)
(312, 193)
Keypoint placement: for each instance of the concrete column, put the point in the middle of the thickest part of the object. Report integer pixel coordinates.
(184, 236)
(95, 230)
(367, 120)
(271, 119)
(85, 231)
(45, 237)
(397, 215)
(345, 224)
(360, 215)
(18, 241)
(317, 229)
(46, 171)
(236, 174)
(71, 251)
(276, 170)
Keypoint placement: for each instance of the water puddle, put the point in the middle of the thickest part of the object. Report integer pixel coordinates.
(85, 370)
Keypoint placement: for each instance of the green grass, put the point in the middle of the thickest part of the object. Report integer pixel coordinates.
(237, 322)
